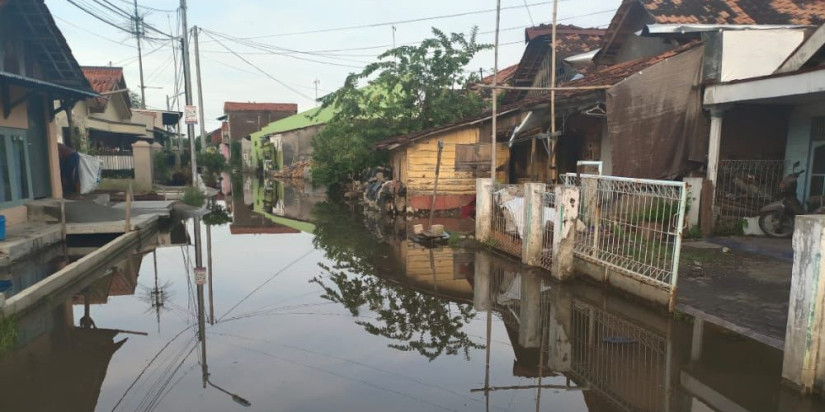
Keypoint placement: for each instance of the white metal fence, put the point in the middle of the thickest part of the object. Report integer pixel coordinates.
(117, 161)
(549, 217)
(745, 186)
(507, 222)
(632, 225)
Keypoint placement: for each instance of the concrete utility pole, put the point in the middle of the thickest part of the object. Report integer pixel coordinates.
(200, 88)
(553, 137)
(197, 220)
(138, 35)
(495, 97)
(317, 83)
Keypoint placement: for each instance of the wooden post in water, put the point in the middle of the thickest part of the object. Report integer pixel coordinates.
(435, 185)
(128, 227)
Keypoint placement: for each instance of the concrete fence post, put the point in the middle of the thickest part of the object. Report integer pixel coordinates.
(804, 359)
(142, 154)
(530, 311)
(531, 239)
(482, 279)
(564, 231)
(484, 208)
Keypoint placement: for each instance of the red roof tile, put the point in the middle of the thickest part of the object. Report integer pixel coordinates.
(804, 12)
(504, 75)
(104, 79)
(260, 107)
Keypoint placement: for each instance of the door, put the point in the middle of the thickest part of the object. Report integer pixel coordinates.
(816, 170)
(38, 145)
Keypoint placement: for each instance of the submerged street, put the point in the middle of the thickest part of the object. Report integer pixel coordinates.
(349, 315)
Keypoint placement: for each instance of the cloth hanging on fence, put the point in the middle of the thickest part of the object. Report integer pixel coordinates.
(90, 169)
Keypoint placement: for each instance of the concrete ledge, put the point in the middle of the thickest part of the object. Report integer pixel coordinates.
(750, 333)
(27, 238)
(116, 226)
(74, 272)
(621, 281)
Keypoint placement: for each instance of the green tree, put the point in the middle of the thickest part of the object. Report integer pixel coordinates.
(409, 88)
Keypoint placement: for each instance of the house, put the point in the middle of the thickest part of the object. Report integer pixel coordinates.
(161, 126)
(288, 141)
(767, 114)
(650, 65)
(465, 157)
(243, 119)
(37, 69)
(534, 68)
(103, 124)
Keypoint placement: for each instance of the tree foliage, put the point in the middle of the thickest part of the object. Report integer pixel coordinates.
(409, 88)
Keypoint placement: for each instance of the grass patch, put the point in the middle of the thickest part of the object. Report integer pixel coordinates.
(8, 335)
(192, 196)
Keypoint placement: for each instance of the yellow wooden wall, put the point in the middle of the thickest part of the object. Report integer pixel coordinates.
(421, 161)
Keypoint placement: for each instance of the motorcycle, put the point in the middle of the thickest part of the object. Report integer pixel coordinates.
(777, 219)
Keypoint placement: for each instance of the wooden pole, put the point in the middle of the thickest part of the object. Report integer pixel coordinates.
(495, 97)
(553, 136)
(435, 185)
(128, 227)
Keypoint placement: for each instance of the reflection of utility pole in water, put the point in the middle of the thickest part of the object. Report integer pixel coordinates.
(156, 294)
(209, 272)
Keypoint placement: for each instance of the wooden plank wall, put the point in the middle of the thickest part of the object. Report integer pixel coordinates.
(421, 161)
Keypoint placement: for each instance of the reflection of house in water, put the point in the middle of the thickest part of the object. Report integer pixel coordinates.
(624, 357)
(246, 220)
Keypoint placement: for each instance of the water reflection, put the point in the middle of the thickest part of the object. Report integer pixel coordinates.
(355, 316)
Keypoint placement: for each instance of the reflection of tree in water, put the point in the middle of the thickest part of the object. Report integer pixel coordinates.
(362, 275)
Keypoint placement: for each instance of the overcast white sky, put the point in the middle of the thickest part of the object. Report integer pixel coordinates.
(227, 78)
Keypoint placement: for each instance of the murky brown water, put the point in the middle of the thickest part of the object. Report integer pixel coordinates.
(353, 317)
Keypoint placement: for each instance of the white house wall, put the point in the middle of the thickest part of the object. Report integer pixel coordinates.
(754, 53)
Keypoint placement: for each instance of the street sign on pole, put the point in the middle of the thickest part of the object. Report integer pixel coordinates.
(191, 114)
(200, 275)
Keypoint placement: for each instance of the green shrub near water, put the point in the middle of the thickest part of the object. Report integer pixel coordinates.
(162, 166)
(192, 196)
(8, 335)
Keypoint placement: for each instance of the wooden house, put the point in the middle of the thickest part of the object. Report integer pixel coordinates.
(464, 158)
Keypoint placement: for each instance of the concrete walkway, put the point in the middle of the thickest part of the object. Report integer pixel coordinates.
(742, 291)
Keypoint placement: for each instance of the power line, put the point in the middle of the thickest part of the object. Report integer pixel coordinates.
(258, 68)
(392, 23)
(152, 8)
(529, 13)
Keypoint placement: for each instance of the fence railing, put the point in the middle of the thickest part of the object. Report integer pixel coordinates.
(117, 161)
(549, 218)
(507, 220)
(745, 186)
(632, 225)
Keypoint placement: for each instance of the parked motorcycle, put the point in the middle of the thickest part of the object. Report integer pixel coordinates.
(777, 219)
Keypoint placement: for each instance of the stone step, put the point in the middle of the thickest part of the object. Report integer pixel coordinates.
(27, 238)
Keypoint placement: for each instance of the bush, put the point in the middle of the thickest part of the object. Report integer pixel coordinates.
(162, 163)
(213, 164)
(236, 153)
(192, 196)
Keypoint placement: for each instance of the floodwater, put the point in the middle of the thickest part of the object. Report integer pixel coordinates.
(314, 307)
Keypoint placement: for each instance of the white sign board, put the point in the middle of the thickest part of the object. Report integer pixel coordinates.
(190, 113)
(200, 276)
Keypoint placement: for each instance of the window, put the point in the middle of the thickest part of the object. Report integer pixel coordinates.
(15, 171)
(472, 157)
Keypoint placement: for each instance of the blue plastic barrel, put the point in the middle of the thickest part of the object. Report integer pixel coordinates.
(2, 228)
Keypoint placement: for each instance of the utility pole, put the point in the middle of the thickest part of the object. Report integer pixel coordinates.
(553, 137)
(197, 220)
(200, 88)
(495, 97)
(317, 83)
(138, 35)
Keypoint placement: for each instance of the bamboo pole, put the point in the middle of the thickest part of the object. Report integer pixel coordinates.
(495, 96)
(435, 185)
(554, 173)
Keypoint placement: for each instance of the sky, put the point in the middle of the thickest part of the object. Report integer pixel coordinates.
(296, 42)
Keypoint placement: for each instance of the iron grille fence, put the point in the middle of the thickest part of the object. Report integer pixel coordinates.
(623, 362)
(116, 160)
(745, 186)
(507, 223)
(549, 218)
(632, 225)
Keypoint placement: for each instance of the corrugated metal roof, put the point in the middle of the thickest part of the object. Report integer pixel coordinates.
(259, 107)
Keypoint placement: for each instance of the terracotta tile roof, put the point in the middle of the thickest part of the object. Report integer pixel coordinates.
(570, 41)
(504, 75)
(804, 12)
(260, 107)
(104, 79)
